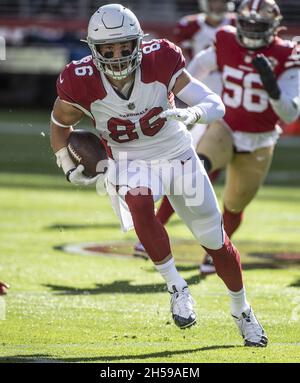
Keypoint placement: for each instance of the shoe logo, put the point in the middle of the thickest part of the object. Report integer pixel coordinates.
(174, 289)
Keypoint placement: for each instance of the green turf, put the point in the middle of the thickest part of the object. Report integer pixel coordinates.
(78, 308)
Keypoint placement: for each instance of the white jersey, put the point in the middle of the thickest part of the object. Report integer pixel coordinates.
(194, 34)
(131, 125)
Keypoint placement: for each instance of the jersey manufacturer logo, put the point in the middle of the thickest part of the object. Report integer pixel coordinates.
(61, 80)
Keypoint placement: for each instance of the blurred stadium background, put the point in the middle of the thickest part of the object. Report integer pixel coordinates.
(43, 35)
(41, 211)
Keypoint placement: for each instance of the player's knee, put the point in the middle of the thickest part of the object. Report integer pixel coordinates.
(213, 240)
(233, 207)
(237, 202)
(209, 231)
(206, 162)
(140, 202)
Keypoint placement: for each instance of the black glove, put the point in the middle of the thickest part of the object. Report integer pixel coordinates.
(264, 68)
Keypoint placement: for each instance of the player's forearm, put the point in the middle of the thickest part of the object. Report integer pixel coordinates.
(284, 92)
(287, 108)
(200, 97)
(213, 109)
(59, 136)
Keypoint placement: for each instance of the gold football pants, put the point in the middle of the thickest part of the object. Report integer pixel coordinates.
(245, 172)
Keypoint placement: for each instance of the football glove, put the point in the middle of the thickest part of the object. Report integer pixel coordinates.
(76, 177)
(188, 115)
(263, 66)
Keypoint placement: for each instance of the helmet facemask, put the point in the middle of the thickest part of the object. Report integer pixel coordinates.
(256, 29)
(117, 68)
(112, 24)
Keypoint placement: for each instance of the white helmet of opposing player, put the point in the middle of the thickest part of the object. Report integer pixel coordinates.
(111, 24)
(205, 6)
(257, 23)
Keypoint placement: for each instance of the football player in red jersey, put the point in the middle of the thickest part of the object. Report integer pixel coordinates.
(127, 88)
(261, 85)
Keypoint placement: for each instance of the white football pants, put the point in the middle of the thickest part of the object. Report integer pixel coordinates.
(187, 186)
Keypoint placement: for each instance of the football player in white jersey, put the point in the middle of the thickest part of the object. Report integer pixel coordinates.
(126, 87)
(195, 33)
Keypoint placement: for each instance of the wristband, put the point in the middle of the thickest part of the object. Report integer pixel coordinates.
(58, 123)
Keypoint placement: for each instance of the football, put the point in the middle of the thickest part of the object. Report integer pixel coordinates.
(87, 149)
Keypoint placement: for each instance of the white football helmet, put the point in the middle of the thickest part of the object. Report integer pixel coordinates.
(114, 23)
(217, 16)
(257, 23)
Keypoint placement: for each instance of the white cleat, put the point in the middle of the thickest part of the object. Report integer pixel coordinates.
(251, 330)
(139, 251)
(182, 310)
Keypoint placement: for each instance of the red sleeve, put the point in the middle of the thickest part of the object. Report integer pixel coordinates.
(80, 83)
(64, 86)
(186, 28)
(283, 55)
(163, 63)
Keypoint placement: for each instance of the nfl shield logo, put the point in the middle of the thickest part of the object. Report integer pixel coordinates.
(131, 106)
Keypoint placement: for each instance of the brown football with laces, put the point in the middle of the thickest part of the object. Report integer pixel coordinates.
(86, 148)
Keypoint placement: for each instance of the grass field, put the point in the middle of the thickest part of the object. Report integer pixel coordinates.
(75, 308)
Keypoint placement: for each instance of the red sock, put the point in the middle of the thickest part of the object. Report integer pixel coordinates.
(228, 265)
(165, 211)
(149, 230)
(231, 221)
